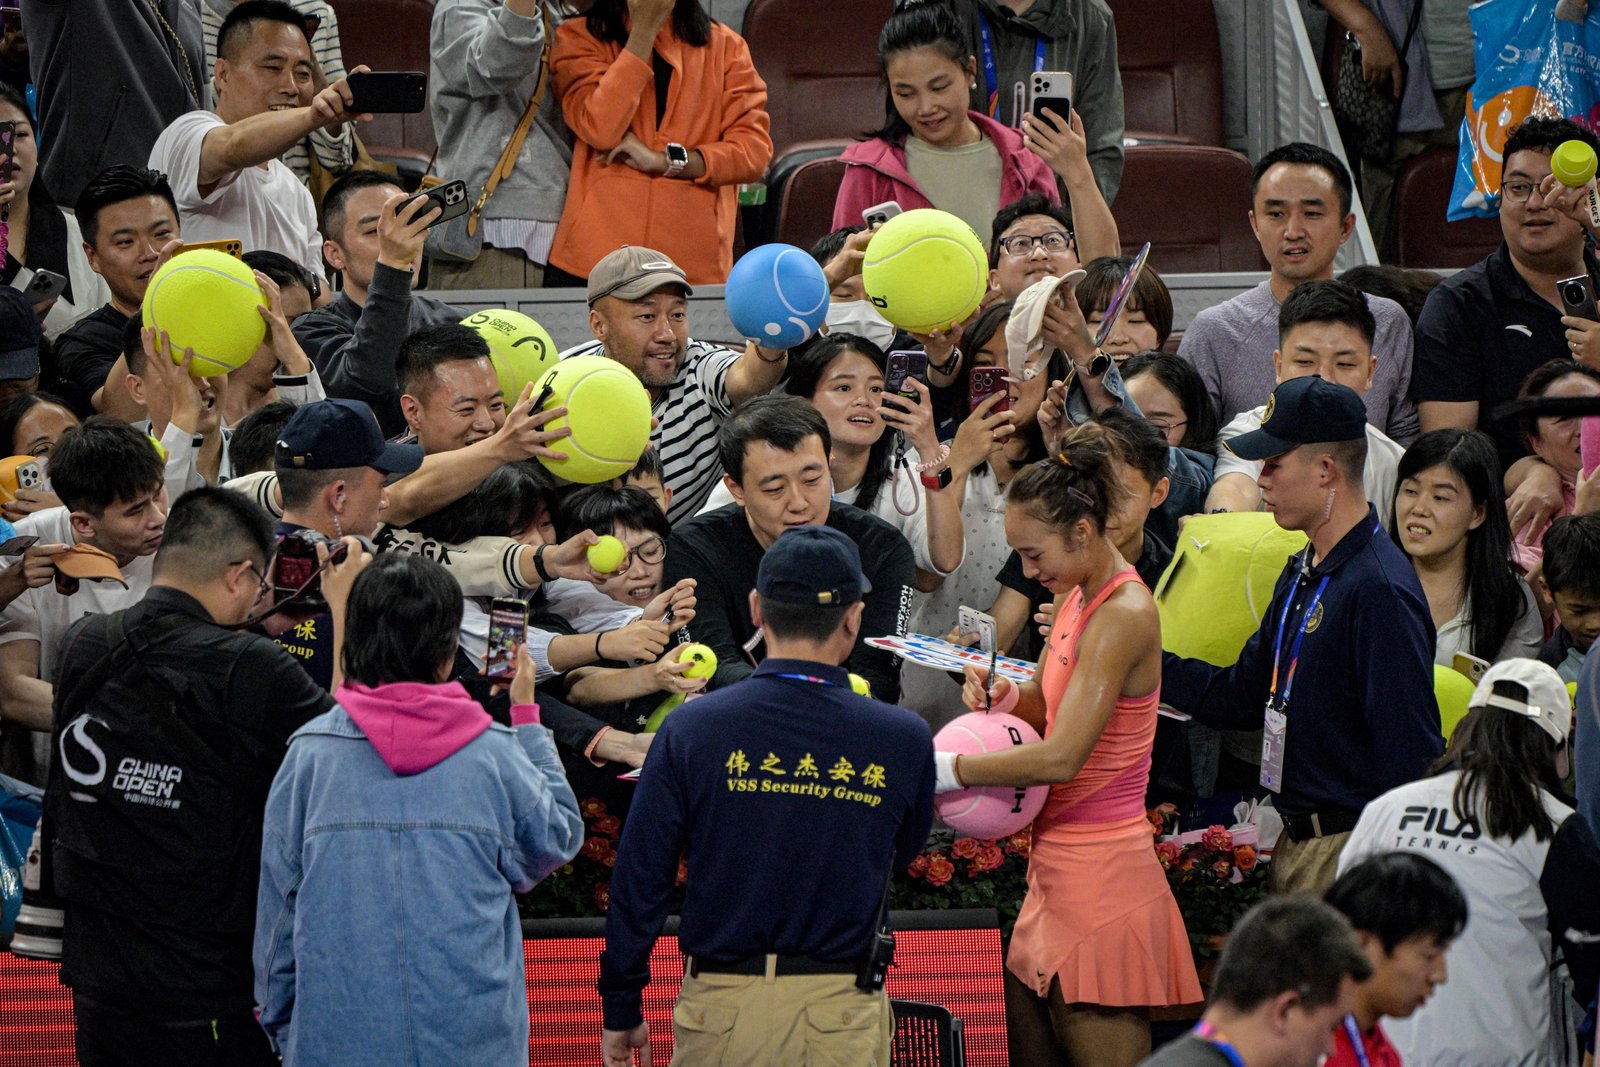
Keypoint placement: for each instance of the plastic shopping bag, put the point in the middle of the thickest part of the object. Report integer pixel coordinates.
(1530, 63)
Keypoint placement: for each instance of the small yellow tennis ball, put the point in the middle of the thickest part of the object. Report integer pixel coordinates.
(860, 685)
(608, 412)
(520, 349)
(702, 661)
(925, 269)
(208, 301)
(606, 555)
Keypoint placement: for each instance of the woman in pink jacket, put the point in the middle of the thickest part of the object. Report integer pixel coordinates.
(933, 152)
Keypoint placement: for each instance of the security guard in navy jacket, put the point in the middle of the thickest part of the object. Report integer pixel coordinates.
(792, 798)
(1340, 674)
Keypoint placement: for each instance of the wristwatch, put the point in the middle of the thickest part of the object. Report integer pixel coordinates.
(936, 480)
(677, 159)
(948, 365)
(1097, 366)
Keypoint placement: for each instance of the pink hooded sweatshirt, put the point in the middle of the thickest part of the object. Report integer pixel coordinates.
(414, 725)
(875, 172)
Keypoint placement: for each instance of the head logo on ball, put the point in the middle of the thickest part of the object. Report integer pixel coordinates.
(988, 811)
(519, 347)
(776, 295)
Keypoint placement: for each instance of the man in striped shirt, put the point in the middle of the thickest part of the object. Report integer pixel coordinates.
(639, 312)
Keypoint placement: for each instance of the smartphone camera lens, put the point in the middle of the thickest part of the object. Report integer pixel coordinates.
(1573, 293)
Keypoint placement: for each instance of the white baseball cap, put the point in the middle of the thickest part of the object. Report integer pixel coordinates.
(1544, 696)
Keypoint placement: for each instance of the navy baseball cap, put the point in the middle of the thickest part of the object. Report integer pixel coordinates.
(331, 434)
(812, 565)
(1304, 411)
(19, 336)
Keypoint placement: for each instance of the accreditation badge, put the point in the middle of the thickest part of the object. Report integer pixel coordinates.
(1273, 738)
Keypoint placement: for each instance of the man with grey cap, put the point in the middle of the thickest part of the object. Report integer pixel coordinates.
(19, 345)
(639, 312)
(1340, 674)
(754, 782)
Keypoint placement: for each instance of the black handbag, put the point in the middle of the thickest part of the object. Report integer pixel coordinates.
(1367, 114)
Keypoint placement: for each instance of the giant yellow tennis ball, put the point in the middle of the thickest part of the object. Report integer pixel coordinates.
(925, 269)
(519, 347)
(608, 412)
(208, 301)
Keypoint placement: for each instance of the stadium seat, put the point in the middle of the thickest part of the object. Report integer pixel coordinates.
(1171, 64)
(1424, 238)
(390, 35)
(1192, 203)
(805, 205)
(926, 1035)
(820, 62)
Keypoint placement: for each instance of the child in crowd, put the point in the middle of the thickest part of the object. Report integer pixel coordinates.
(1570, 580)
(1406, 911)
(648, 475)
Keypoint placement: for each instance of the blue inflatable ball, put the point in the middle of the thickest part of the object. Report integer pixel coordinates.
(776, 296)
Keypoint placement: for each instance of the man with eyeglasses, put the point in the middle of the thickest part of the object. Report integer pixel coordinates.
(1486, 328)
(1301, 196)
(170, 722)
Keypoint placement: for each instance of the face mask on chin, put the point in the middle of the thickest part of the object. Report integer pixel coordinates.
(862, 319)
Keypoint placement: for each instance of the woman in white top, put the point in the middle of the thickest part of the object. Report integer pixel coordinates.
(1450, 518)
(1493, 817)
(40, 235)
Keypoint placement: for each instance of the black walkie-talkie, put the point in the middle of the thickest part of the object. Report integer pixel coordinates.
(874, 969)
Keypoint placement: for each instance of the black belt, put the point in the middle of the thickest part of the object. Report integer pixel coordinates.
(1319, 824)
(757, 965)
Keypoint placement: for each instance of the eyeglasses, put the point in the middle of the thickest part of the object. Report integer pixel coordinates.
(652, 551)
(261, 577)
(1517, 191)
(1021, 244)
(1167, 425)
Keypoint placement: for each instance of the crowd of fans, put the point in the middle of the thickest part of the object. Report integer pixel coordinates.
(224, 529)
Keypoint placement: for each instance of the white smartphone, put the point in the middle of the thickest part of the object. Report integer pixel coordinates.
(973, 621)
(878, 214)
(1051, 89)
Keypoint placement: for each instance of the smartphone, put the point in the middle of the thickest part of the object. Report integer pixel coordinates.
(232, 246)
(508, 628)
(1469, 665)
(389, 92)
(18, 473)
(878, 214)
(8, 137)
(973, 621)
(1051, 89)
(17, 545)
(984, 382)
(1578, 298)
(451, 198)
(44, 285)
(901, 367)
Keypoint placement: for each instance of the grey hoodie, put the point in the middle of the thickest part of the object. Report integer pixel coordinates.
(110, 78)
(484, 69)
(1081, 37)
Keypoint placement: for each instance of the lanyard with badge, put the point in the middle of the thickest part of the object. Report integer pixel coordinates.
(1213, 1037)
(991, 75)
(1275, 735)
(1353, 1032)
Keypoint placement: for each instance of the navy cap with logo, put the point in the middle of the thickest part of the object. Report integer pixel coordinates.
(19, 336)
(1304, 411)
(332, 434)
(812, 565)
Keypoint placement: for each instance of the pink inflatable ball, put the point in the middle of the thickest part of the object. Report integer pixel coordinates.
(989, 811)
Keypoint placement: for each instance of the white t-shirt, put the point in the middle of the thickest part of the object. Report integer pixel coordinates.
(265, 207)
(44, 615)
(1377, 478)
(1525, 638)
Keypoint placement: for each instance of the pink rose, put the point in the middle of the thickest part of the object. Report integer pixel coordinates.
(989, 858)
(1167, 852)
(964, 848)
(919, 866)
(1222, 869)
(1217, 838)
(940, 870)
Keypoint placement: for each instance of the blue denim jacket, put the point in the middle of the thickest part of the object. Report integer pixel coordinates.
(386, 931)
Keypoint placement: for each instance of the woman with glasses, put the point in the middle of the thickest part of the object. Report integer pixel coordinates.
(1169, 392)
(932, 151)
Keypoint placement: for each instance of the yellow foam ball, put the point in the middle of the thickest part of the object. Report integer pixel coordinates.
(608, 412)
(606, 555)
(701, 659)
(207, 301)
(925, 269)
(520, 349)
(859, 685)
(1453, 690)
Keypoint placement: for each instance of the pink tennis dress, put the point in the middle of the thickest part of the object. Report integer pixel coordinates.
(1099, 915)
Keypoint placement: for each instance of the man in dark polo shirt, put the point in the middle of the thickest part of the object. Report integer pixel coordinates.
(753, 783)
(1341, 669)
(775, 450)
(332, 464)
(1484, 330)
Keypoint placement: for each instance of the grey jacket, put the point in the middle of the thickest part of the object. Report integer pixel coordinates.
(1080, 37)
(484, 69)
(110, 78)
